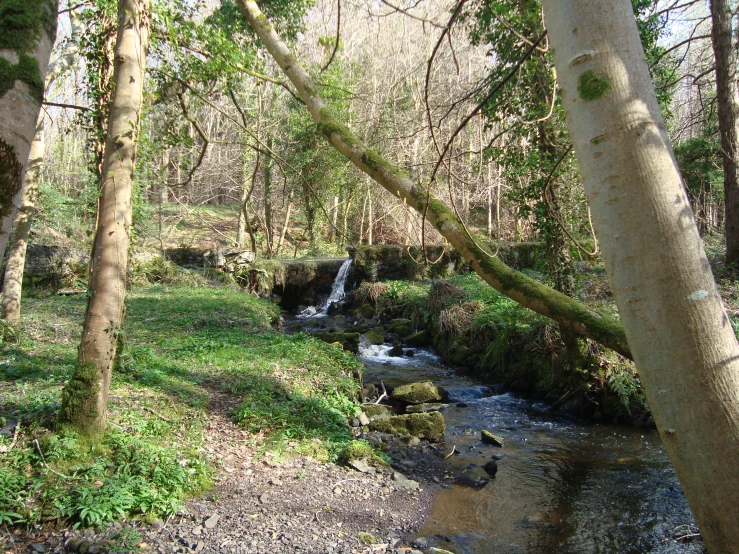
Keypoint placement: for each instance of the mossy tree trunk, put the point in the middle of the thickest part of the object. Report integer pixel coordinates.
(27, 34)
(10, 308)
(570, 313)
(85, 397)
(683, 343)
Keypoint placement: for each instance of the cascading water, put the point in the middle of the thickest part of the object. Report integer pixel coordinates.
(337, 292)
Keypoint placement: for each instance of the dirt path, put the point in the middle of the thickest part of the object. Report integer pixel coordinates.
(263, 506)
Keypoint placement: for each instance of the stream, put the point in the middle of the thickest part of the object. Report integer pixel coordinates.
(562, 486)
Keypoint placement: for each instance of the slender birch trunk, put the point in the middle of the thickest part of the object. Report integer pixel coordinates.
(528, 292)
(683, 343)
(10, 308)
(85, 397)
(27, 35)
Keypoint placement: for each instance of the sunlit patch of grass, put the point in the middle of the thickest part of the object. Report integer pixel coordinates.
(182, 345)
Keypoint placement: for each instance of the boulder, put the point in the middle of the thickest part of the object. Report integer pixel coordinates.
(426, 425)
(401, 327)
(396, 350)
(417, 339)
(374, 336)
(417, 393)
(489, 438)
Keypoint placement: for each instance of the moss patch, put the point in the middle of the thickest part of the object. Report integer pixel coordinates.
(26, 71)
(426, 426)
(79, 400)
(488, 438)
(23, 21)
(591, 85)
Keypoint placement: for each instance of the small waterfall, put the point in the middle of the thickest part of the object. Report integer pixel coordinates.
(337, 290)
(337, 293)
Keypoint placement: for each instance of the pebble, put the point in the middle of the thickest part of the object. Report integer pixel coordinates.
(212, 521)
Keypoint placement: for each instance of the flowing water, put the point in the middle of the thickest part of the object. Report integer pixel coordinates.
(562, 486)
(337, 293)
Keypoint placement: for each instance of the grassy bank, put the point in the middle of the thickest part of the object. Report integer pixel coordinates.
(188, 352)
(474, 327)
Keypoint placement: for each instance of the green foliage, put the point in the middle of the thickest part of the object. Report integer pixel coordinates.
(699, 159)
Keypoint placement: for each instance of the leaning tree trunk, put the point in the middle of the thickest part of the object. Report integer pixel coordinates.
(727, 97)
(10, 308)
(27, 33)
(85, 397)
(528, 292)
(683, 343)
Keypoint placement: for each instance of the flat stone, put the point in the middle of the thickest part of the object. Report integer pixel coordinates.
(425, 407)
(363, 419)
(197, 530)
(360, 464)
(212, 521)
(489, 438)
(407, 484)
(434, 550)
(38, 547)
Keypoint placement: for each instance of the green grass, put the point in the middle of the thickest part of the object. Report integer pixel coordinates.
(183, 345)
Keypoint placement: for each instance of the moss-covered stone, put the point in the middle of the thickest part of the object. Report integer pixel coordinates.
(375, 336)
(396, 350)
(418, 339)
(348, 341)
(489, 438)
(426, 426)
(417, 393)
(360, 450)
(401, 326)
(373, 410)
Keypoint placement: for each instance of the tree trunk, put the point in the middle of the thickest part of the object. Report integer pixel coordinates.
(27, 36)
(683, 343)
(10, 309)
(85, 397)
(582, 319)
(268, 223)
(727, 97)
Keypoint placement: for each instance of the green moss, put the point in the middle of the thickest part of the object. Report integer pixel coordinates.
(591, 85)
(361, 450)
(23, 21)
(11, 172)
(27, 71)
(426, 425)
(79, 400)
(418, 339)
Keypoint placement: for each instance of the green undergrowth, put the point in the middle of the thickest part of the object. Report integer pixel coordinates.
(475, 327)
(186, 350)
